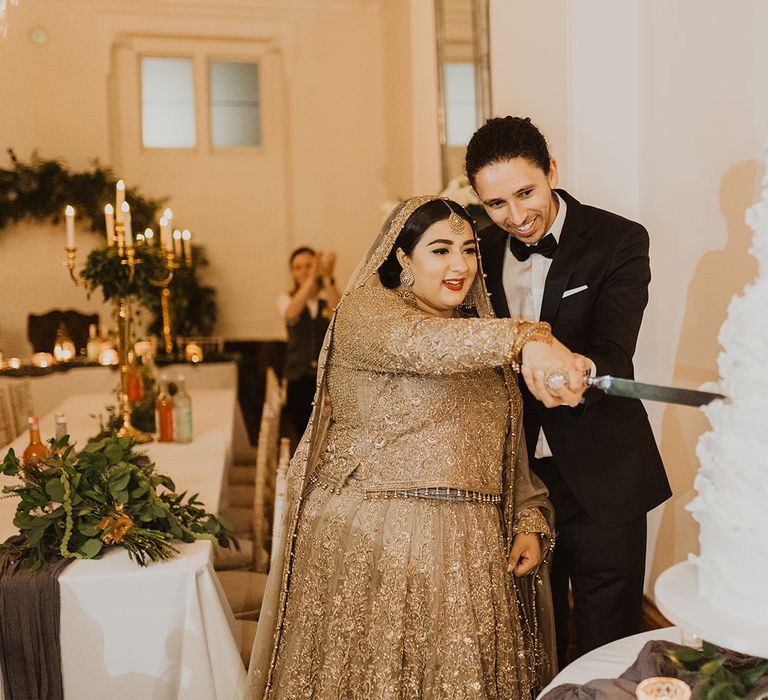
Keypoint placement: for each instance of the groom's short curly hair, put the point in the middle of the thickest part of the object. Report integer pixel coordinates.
(505, 138)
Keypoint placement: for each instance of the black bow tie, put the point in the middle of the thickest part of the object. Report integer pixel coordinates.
(546, 247)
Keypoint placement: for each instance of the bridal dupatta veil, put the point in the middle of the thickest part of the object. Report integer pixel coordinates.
(521, 490)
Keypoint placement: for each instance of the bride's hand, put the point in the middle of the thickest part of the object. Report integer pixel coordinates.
(525, 555)
(540, 360)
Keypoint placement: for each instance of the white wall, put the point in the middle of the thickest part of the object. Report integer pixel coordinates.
(655, 110)
(319, 179)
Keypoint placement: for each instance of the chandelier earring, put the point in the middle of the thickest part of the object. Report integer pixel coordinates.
(406, 277)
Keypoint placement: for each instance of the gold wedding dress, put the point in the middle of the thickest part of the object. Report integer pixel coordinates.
(405, 494)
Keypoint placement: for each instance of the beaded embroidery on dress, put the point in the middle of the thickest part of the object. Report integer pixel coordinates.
(405, 494)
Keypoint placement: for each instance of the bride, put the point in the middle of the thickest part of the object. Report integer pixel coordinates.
(414, 555)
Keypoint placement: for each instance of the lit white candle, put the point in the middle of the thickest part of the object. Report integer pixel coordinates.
(149, 235)
(177, 243)
(109, 217)
(186, 236)
(165, 233)
(119, 199)
(126, 212)
(69, 213)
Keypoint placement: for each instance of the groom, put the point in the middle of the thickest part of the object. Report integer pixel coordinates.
(586, 271)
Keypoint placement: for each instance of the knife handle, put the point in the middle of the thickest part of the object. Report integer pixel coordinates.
(603, 383)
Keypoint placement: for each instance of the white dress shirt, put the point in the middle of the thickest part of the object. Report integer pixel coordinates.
(524, 288)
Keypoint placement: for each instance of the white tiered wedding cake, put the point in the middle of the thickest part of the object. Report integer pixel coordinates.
(729, 601)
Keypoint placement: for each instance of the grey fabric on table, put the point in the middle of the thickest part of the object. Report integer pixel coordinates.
(652, 661)
(30, 648)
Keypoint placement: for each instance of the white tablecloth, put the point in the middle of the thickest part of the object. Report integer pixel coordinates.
(161, 632)
(611, 660)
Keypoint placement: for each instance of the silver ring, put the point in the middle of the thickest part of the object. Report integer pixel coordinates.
(555, 381)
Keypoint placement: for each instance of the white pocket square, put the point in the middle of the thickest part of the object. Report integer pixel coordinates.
(575, 290)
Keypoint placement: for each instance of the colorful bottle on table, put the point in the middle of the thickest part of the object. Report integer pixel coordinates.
(182, 412)
(164, 411)
(36, 450)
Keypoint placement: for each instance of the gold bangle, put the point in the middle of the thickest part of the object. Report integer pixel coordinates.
(527, 332)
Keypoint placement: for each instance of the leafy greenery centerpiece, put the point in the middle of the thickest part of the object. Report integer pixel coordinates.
(78, 505)
(719, 674)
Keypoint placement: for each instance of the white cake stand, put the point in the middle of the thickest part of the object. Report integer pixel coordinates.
(677, 595)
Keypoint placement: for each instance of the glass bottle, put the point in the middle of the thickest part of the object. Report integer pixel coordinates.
(36, 449)
(164, 410)
(182, 412)
(61, 426)
(94, 344)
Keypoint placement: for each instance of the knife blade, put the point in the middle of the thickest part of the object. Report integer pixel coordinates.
(629, 388)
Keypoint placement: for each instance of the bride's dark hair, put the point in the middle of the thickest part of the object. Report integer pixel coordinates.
(413, 229)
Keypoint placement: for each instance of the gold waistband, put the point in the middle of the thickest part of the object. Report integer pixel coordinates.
(438, 493)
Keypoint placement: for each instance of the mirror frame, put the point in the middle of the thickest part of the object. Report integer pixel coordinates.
(481, 49)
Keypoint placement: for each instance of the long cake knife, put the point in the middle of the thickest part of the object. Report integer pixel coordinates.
(629, 388)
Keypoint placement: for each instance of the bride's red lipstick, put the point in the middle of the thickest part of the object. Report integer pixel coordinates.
(454, 285)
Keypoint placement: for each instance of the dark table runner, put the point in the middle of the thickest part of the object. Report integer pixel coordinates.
(30, 647)
(652, 661)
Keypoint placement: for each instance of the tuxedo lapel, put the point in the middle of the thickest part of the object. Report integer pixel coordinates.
(493, 243)
(569, 248)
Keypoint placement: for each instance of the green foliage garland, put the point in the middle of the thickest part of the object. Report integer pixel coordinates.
(42, 188)
(77, 505)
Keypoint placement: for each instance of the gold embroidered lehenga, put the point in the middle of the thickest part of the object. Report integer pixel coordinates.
(404, 497)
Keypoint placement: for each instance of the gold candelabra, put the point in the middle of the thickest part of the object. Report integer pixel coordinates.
(165, 299)
(127, 254)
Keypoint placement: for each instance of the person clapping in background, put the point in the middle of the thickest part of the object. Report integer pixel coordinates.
(306, 312)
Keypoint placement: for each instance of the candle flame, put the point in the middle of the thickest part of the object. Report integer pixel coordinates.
(168, 214)
(163, 221)
(186, 234)
(109, 210)
(177, 234)
(124, 207)
(70, 210)
(120, 185)
(148, 233)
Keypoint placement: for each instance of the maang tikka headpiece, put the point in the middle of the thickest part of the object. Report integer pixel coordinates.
(455, 222)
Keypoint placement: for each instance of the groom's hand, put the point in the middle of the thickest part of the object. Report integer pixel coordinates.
(525, 555)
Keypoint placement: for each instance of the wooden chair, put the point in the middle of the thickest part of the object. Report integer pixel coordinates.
(250, 518)
(41, 328)
(21, 404)
(245, 589)
(7, 420)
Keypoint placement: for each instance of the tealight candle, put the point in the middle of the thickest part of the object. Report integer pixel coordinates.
(193, 353)
(42, 359)
(108, 356)
(69, 213)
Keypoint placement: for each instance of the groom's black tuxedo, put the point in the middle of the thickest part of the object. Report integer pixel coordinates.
(605, 472)
(604, 449)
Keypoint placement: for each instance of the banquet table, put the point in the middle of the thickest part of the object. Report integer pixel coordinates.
(610, 660)
(164, 631)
